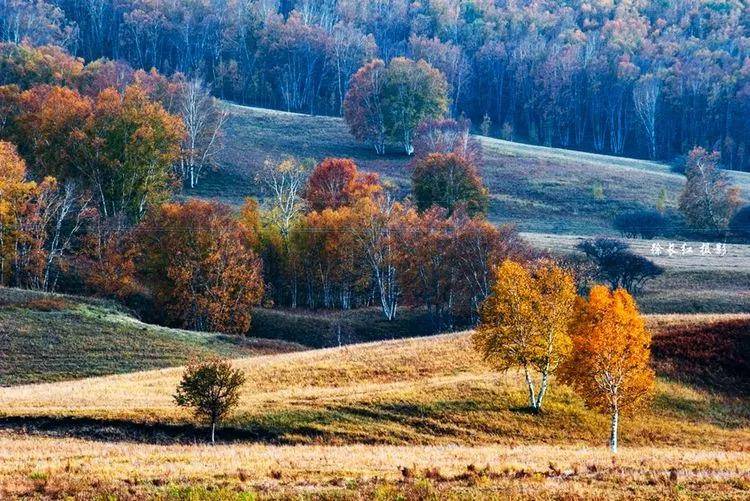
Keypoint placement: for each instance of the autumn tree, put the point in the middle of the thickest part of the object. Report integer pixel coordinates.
(413, 92)
(389, 102)
(708, 200)
(426, 271)
(129, 145)
(15, 194)
(38, 224)
(363, 105)
(476, 245)
(610, 362)
(328, 256)
(336, 182)
(211, 389)
(526, 321)
(49, 127)
(200, 264)
(373, 227)
(448, 180)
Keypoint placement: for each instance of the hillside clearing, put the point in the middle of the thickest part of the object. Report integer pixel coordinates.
(426, 391)
(541, 189)
(55, 337)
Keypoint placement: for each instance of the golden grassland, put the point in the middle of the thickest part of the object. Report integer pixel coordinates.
(58, 467)
(342, 422)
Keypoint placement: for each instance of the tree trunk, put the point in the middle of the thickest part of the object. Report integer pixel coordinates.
(613, 431)
(530, 385)
(213, 432)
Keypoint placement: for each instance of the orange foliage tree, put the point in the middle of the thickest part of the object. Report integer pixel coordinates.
(47, 126)
(610, 362)
(525, 323)
(336, 182)
(199, 262)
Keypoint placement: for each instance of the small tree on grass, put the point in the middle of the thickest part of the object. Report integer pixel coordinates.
(211, 389)
(609, 366)
(525, 321)
(708, 199)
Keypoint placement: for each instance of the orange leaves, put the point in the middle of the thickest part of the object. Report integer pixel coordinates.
(50, 126)
(15, 196)
(200, 265)
(526, 321)
(612, 348)
(336, 182)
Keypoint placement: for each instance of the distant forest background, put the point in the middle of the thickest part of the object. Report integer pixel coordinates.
(629, 77)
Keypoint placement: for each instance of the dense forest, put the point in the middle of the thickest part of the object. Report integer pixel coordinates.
(636, 77)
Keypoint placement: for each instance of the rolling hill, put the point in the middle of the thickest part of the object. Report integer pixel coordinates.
(548, 193)
(47, 337)
(540, 189)
(350, 419)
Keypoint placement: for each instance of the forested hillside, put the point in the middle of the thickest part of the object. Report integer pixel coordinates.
(651, 79)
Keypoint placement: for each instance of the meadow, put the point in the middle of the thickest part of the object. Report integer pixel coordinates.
(58, 337)
(421, 416)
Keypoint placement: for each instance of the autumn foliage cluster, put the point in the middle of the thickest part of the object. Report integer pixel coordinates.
(533, 320)
(636, 78)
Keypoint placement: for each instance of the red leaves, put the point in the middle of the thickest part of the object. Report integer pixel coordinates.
(336, 182)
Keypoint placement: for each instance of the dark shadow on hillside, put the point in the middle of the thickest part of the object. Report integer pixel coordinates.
(119, 430)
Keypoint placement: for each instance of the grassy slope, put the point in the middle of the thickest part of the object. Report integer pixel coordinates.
(52, 338)
(541, 189)
(417, 391)
(345, 420)
(546, 191)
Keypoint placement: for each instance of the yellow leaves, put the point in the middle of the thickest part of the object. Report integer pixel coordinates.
(525, 320)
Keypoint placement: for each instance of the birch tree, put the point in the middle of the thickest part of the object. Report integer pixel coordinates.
(708, 200)
(204, 121)
(525, 323)
(610, 362)
(645, 99)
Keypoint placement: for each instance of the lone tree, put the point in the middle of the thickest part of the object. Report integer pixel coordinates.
(448, 180)
(617, 265)
(389, 102)
(708, 200)
(212, 389)
(525, 321)
(609, 366)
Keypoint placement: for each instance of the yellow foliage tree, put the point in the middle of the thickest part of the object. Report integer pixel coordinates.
(525, 322)
(609, 366)
(15, 193)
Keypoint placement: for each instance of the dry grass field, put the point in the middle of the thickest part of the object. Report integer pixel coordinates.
(342, 421)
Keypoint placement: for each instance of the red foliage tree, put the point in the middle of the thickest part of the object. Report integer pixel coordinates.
(336, 182)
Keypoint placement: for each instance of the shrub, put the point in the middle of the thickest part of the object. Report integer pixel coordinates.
(617, 265)
(642, 223)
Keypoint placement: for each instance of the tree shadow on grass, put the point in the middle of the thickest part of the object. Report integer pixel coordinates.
(120, 430)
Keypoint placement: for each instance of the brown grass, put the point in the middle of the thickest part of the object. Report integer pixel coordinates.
(408, 419)
(58, 467)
